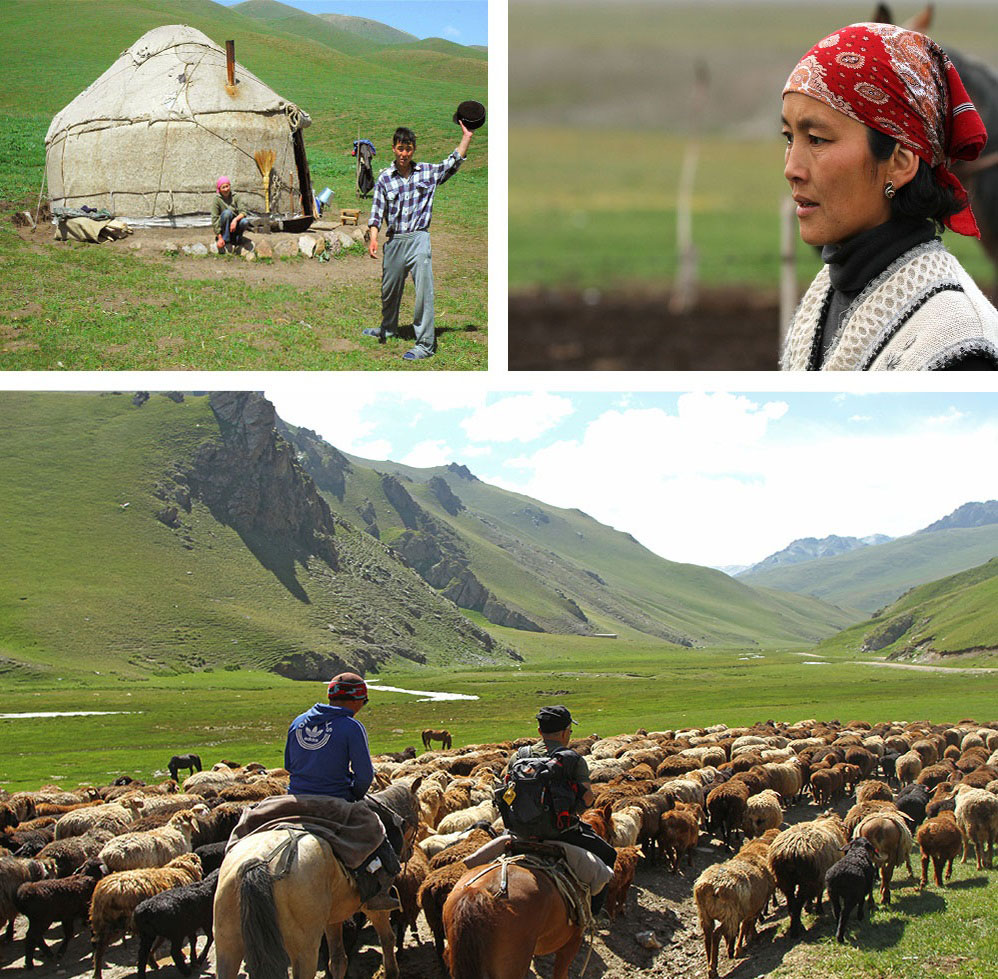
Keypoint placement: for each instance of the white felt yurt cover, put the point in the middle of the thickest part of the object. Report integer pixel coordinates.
(148, 139)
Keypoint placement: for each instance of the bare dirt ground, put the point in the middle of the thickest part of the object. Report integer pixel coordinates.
(148, 244)
(730, 329)
(659, 902)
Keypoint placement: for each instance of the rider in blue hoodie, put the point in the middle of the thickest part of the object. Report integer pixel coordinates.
(327, 754)
(327, 751)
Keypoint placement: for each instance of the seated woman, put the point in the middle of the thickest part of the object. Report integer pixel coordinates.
(872, 116)
(228, 217)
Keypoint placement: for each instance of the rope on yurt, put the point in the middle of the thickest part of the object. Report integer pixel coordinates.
(41, 189)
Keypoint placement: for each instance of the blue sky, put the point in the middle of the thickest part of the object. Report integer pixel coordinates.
(715, 478)
(461, 21)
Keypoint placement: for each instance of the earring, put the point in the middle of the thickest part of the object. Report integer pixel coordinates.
(889, 190)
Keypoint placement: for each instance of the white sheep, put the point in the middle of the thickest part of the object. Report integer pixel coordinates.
(154, 847)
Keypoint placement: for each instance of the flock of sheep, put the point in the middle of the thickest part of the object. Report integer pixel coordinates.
(128, 857)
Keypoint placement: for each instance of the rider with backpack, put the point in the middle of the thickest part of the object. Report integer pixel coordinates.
(546, 786)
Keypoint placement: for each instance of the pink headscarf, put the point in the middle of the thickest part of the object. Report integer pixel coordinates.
(222, 180)
(900, 83)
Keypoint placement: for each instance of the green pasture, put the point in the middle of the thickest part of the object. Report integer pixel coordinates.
(604, 105)
(948, 931)
(54, 307)
(611, 686)
(597, 209)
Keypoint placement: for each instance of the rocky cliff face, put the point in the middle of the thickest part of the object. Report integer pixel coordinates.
(812, 548)
(446, 496)
(327, 466)
(968, 515)
(253, 482)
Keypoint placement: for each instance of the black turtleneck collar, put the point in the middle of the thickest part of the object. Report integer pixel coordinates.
(858, 260)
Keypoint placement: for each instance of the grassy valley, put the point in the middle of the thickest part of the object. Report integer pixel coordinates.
(871, 577)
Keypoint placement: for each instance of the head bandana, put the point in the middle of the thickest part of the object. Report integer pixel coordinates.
(900, 83)
(222, 180)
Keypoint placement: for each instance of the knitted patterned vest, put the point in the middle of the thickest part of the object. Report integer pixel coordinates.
(922, 312)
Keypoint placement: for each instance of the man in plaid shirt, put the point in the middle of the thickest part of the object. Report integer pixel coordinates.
(403, 202)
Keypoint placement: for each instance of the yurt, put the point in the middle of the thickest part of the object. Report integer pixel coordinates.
(148, 139)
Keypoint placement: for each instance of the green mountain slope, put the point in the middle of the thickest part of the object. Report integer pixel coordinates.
(291, 20)
(958, 614)
(177, 536)
(371, 29)
(871, 577)
(559, 569)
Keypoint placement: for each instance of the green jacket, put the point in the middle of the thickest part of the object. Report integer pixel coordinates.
(219, 204)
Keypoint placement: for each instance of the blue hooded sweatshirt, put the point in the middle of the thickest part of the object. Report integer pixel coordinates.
(327, 754)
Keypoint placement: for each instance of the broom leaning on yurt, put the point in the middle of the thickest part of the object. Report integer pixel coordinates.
(148, 138)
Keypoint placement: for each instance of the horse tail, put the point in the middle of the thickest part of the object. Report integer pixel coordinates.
(471, 923)
(263, 944)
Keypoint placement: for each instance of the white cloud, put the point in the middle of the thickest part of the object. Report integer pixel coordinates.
(520, 417)
(377, 449)
(861, 418)
(948, 417)
(451, 31)
(475, 451)
(720, 482)
(434, 452)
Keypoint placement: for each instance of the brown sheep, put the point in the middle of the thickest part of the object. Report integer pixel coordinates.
(908, 767)
(678, 834)
(432, 896)
(116, 897)
(408, 883)
(13, 873)
(940, 840)
(874, 789)
(861, 810)
(733, 894)
(826, 785)
(977, 817)
(762, 811)
(464, 847)
(623, 877)
(888, 832)
(726, 808)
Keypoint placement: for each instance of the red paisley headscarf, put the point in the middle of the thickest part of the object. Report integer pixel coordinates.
(902, 84)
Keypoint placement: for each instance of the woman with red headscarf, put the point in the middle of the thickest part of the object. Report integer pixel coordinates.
(873, 115)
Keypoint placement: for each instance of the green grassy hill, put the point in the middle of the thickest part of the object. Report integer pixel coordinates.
(549, 563)
(53, 50)
(958, 614)
(291, 20)
(371, 29)
(92, 581)
(870, 577)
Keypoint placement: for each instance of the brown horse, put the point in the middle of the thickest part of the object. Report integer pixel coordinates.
(430, 735)
(272, 921)
(494, 933)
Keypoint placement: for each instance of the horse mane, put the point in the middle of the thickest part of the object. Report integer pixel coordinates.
(401, 800)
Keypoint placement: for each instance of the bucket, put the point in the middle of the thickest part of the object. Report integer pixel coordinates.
(323, 198)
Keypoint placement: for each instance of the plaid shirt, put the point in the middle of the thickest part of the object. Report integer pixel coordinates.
(405, 204)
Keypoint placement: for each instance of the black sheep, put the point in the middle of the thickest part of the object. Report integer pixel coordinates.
(177, 914)
(61, 899)
(850, 880)
(888, 763)
(211, 855)
(912, 800)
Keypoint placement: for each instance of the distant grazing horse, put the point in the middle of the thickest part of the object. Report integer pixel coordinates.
(190, 762)
(272, 921)
(442, 736)
(493, 932)
(980, 176)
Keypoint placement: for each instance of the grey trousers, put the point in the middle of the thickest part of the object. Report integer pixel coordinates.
(406, 254)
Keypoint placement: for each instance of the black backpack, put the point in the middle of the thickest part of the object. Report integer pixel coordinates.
(536, 797)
